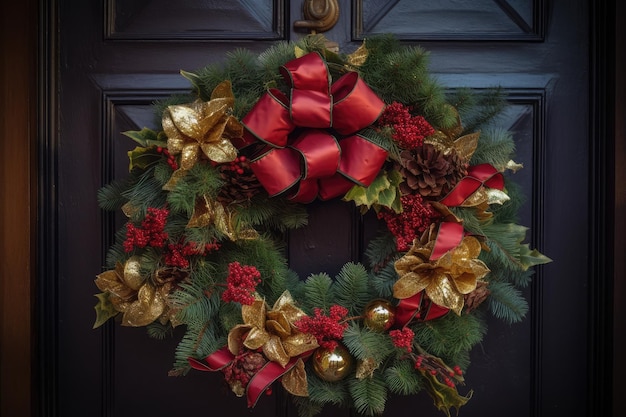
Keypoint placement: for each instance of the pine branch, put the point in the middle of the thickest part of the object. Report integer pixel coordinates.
(402, 378)
(380, 250)
(451, 334)
(159, 331)
(306, 407)
(198, 342)
(381, 283)
(496, 147)
(365, 344)
(369, 394)
(318, 292)
(351, 288)
(324, 392)
(506, 302)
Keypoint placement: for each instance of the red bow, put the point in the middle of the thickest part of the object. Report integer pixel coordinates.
(301, 149)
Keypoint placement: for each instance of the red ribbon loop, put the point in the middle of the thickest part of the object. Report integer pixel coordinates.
(477, 176)
(314, 163)
(417, 308)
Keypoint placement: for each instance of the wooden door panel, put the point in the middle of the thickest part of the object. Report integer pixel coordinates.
(108, 85)
(193, 20)
(451, 19)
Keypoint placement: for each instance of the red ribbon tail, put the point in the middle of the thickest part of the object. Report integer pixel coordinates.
(216, 361)
(267, 375)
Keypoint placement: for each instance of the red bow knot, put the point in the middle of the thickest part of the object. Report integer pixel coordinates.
(302, 156)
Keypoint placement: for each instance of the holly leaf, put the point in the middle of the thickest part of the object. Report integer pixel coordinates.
(508, 238)
(147, 137)
(196, 81)
(444, 397)
(142, 158)
(104, 309)
(383, 191)
(531, 257)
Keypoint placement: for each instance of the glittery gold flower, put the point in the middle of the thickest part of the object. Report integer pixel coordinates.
(445, 280)
(140, 301)
(274, 332)
(203, 127)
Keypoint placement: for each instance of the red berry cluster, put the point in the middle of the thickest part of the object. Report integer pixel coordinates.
(150, 233)
(409, 130)
(241, 283)
(239, 165)
(415, 218)
(326, 329)
(171, 159)
(426, 363)
(403, 338)
(177, 255)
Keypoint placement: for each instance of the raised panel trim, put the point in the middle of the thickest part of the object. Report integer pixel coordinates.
(535, 32)
(277, 32)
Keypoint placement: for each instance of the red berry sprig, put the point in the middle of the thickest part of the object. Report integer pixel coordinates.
(326, 329)
(171, 159)
(241, 283)
(434, 366)
(151, 232)
(409, 130)
(403, 338)
(416, 217)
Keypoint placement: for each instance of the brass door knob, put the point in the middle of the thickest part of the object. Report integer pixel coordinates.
(319, 15)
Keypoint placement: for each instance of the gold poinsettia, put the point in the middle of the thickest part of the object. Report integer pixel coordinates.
(445, 280)
(131, 293)
(203, 127)
(274, 332)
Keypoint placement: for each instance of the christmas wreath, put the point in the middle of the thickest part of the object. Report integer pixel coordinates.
(212, 191)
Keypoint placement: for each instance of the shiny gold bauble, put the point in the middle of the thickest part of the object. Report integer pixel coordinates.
(332, 365)
(379, 315)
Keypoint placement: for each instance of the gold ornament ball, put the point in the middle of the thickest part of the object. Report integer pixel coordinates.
(332, 365)
(379, 315)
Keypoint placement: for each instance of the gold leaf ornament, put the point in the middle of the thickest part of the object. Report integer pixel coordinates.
(203, 128)
(445, 280)
(130, 293)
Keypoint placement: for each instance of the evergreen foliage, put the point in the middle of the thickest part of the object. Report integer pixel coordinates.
(364, 343)
(507, 302)
(350, 288)
(451, 334)
(325, 392)
(318, 292)
(369, 394)
(402, 379)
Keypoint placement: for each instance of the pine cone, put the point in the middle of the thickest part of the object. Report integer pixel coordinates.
(476, 297)
(240, 183)
(430, 171)
(253, 362)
